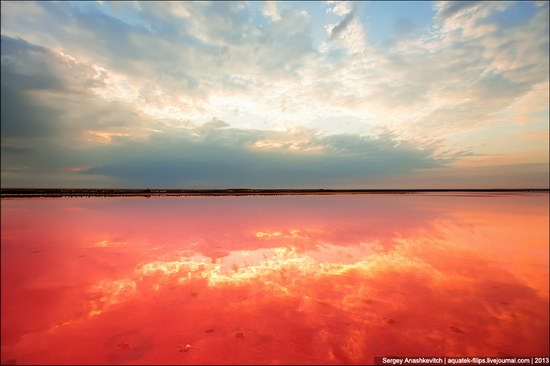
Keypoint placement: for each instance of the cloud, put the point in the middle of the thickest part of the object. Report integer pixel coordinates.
(222, 76)
(29, 66)
(343, 25)
(77, 168)
(341, 8)
(119, 144)
(269, 10)
(23, 117)
(224, 158)
(448, 9)
(9, 149)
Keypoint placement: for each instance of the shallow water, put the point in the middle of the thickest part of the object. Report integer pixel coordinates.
(268, 280)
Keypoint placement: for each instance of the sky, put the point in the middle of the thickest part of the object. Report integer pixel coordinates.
(275, 94)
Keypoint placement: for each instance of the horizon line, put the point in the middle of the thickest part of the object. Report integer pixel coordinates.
(76, 192)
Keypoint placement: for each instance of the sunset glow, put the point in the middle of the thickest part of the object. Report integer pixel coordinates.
(136, 280)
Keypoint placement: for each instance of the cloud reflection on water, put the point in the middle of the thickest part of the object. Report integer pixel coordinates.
(309, 280)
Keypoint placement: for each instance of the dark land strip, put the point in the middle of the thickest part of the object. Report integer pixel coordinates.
(94, 192)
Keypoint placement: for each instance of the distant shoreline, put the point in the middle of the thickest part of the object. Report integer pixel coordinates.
(95, 192)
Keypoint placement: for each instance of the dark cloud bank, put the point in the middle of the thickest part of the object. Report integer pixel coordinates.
(38, 135)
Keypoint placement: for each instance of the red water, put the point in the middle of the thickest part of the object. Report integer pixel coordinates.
(273, 280)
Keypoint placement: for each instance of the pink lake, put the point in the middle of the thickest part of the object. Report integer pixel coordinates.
(273, 280)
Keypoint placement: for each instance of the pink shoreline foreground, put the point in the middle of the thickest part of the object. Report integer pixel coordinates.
(273, 280)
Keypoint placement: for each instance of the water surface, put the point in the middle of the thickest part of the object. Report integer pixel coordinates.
(273, 280)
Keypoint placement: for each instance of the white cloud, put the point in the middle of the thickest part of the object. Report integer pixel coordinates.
(269, 10)
(341, 8)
